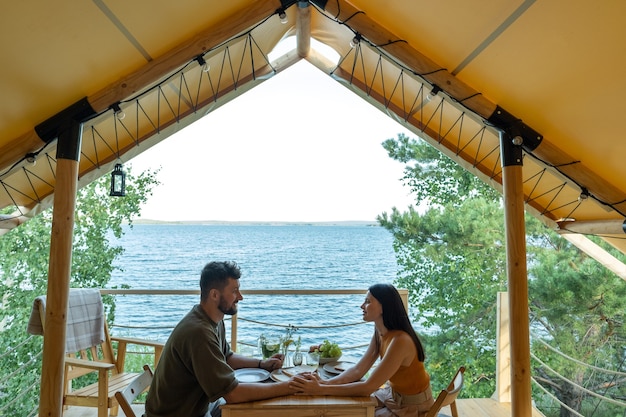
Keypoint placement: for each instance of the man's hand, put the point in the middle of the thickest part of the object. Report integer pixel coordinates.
(275, 362)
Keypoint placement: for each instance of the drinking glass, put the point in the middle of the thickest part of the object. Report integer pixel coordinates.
(297, 359)
(270, 344)
(313, 360)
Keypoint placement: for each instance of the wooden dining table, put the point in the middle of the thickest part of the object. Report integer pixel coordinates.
(303, 406)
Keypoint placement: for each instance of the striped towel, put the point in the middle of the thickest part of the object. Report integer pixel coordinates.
(85, 319)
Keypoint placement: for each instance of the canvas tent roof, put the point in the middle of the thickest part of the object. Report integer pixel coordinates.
(543, 79)
(552, 72)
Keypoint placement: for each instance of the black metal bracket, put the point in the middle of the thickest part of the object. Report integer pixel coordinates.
(66, 126)
(515, 128)
(510, 150)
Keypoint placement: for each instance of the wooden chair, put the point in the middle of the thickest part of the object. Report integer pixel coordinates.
(98, 358)
(448, 396)
(140, 384)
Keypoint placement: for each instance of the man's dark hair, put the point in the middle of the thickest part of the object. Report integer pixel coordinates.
(215, 275)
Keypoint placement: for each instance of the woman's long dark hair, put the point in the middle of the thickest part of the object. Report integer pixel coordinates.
(394, 314)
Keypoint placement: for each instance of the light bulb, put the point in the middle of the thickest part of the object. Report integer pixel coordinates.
(355, 41)
(205, 66)
(431, 95)
(119, 114)
(583, 196)
(283, 17)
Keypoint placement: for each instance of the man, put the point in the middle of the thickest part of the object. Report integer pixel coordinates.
(195, 373)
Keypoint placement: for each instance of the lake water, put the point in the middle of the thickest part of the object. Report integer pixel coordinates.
(171, 256)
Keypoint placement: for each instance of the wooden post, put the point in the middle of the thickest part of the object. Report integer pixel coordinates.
(53, 363)
(521, 399)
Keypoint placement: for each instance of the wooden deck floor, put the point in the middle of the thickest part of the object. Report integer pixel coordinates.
(474, 407)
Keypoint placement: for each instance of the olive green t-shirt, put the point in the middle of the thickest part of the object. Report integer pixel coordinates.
(192, 370)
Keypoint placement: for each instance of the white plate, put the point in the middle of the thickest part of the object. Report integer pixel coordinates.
(251, 375)
(337, 367)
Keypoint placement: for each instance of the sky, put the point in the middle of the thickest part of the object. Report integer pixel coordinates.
(299, 147)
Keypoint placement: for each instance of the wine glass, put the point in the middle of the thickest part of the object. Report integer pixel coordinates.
(313, 360)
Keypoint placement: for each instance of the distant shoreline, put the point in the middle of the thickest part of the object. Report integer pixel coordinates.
(256, 223)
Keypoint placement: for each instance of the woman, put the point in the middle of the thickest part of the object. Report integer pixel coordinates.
(401, 364)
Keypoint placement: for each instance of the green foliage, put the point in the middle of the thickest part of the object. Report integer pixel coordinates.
(452, 259)
(24, 272)
(433, 178)
(578, 306)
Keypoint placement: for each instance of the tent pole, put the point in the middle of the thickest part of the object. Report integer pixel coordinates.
(53, 363)
(521, 400)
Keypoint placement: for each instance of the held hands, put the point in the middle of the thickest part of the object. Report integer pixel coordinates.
(273, 363)
(306, 383)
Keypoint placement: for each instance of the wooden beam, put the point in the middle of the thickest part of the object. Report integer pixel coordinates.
(175, 58)
(582, 175)
(15, 150)
(593, 227)
(152, 72)
(303, 30)
(596, 252)
(10, 221)
(434, 73)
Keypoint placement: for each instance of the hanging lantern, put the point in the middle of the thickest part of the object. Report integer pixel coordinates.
(118, 182)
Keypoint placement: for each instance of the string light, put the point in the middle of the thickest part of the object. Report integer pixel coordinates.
(205, 66)
(31, 158)
(118, 111)
(355, 41)
(283, 17)
(433, 93)
(584, 195)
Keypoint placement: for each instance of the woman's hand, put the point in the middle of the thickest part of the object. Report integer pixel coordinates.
(307, 383)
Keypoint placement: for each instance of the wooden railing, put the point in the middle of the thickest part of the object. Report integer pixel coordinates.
(234, 322)
(500, 400)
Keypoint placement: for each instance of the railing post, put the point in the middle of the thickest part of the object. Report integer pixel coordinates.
(404, 294)
(233, 333)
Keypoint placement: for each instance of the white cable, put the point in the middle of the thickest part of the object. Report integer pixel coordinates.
(607, 371)
(549, 394)
(611, 400)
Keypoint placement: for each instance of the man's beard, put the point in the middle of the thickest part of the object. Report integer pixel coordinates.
(224, 308)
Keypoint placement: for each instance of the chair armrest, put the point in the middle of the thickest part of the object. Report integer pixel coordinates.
(134, 341)
(82, 363)
(122, 342)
